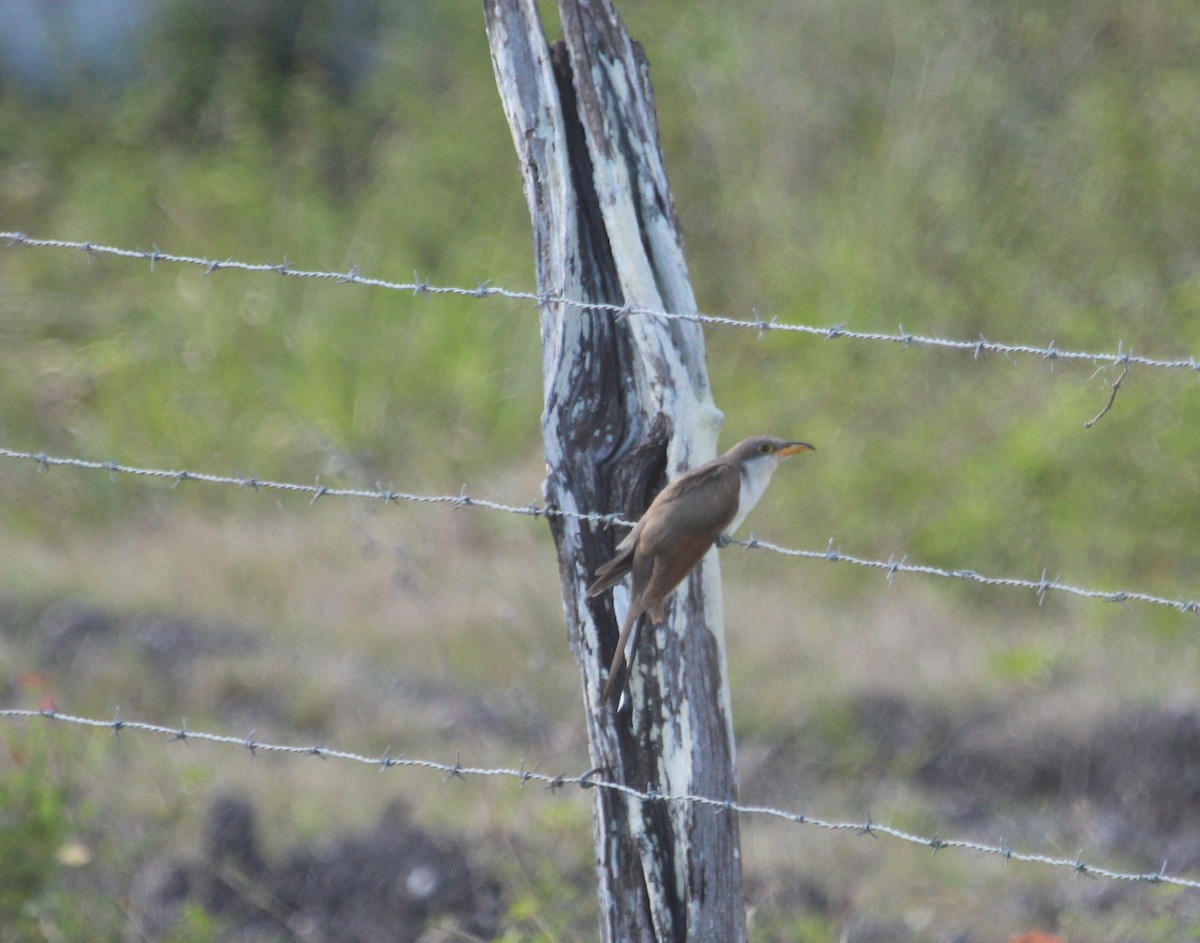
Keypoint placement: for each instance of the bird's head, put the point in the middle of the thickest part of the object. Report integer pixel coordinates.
(756, 459)
(766, 450)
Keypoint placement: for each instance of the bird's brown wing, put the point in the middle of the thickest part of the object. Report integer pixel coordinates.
(698, 504)
(670, 571)
(615, 569)
(701, 505)
(706, 522)
(710, 473)
(687, 529)
(612, 572)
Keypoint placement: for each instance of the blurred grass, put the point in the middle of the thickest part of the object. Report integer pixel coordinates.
(256, 164)
(1019, 171)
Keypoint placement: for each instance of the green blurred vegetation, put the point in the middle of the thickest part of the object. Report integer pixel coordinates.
(235, 139)
(46, 840)
(32, 827)
(1017, 171)
(1023, 171)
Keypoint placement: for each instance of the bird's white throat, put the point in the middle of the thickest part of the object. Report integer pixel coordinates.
(756, 475)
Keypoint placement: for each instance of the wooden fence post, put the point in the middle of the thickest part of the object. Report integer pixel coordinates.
(627, 405)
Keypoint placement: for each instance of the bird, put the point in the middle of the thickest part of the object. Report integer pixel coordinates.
(680, 526)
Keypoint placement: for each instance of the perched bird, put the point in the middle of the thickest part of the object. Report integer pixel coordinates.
(680, 526)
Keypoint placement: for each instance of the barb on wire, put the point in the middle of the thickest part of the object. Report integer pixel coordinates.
(316, 490)
(1040, 586)
(210, 266)
(485, 289)
(591, 780)
(1112, 398)
(890, 566)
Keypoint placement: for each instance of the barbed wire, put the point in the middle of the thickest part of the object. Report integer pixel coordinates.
(590, 780)
(317, 490)
(891, 566)
(1041, 586)
(486, 289)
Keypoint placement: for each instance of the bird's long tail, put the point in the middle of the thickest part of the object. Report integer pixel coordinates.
(619, 669)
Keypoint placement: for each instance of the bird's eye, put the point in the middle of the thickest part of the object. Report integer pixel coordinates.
(764, 449)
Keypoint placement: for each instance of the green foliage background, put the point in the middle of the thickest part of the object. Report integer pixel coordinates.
(1023, 171)
(1019, 171)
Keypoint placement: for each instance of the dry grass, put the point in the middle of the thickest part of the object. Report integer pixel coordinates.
(437, 633)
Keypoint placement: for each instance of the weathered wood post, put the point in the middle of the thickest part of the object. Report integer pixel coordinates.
(627, 405)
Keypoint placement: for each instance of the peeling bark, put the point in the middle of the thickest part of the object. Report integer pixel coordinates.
(627, 405)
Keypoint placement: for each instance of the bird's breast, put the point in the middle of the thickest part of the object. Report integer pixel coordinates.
(755, 479)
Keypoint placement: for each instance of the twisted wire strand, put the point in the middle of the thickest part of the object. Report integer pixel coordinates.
(891, 566)
(485, 289)
(591, 779)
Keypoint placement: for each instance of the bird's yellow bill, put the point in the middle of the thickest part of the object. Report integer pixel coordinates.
(793, 447)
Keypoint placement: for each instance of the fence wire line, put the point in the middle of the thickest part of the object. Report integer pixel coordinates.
(589, 780)
(891, 566)
(486, 289)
